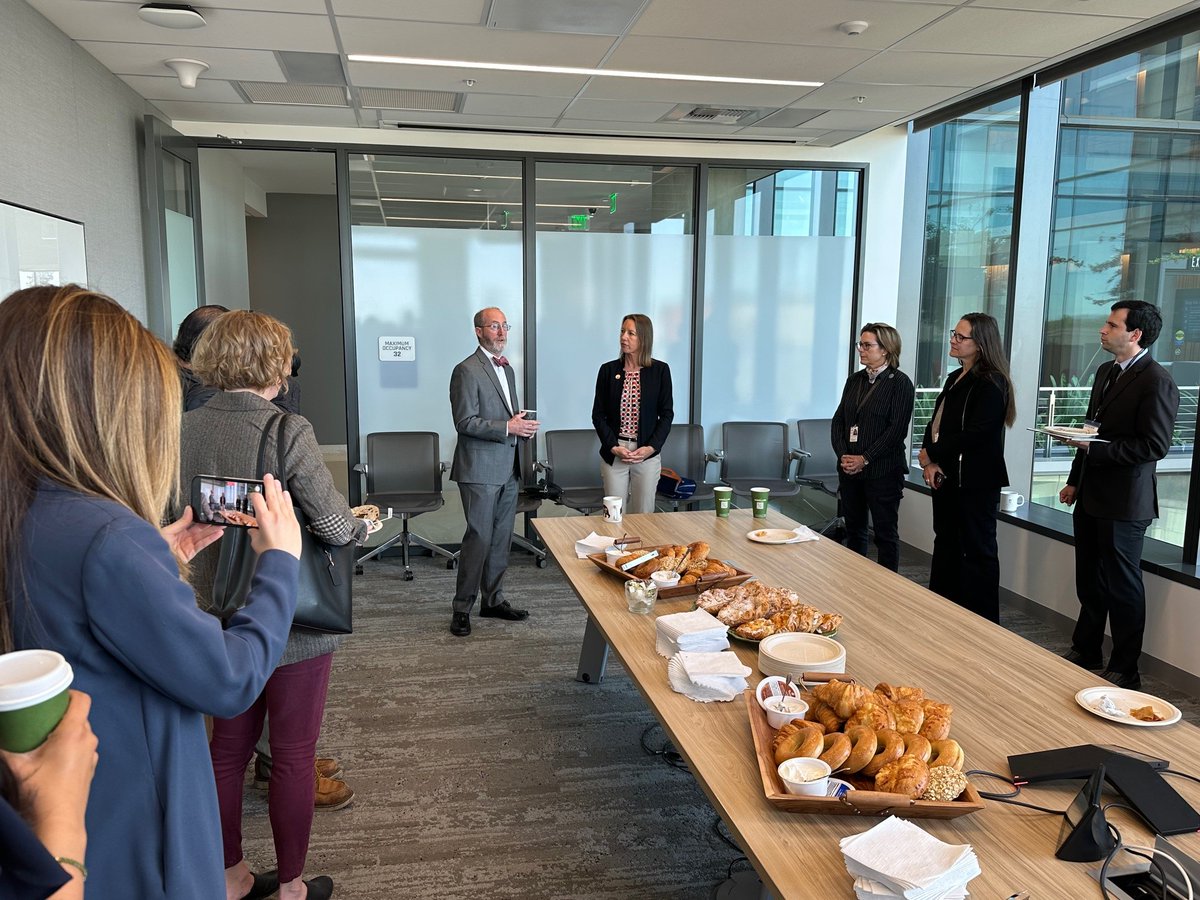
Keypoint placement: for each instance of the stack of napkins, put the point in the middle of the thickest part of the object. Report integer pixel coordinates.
(707, 676)
(593, 543)
(804, 533)
(898, 859)
(695, 630)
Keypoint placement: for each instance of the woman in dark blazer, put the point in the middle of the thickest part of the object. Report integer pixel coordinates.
(632, 414)
(868, 433)
(962, 458)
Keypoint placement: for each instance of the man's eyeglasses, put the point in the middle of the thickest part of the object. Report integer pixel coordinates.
(865, 345)
(496, 326)
(956, 338)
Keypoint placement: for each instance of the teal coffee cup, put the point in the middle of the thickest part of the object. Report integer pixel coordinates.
(758, 500)
(33, 697)
(722, 500)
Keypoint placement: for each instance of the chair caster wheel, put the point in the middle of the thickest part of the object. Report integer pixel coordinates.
(358, 570)
(541, 562)
(452, 564)
(408, 576)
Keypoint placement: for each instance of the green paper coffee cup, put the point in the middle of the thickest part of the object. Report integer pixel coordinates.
(722, 500)
(758, 500)
(33, 697)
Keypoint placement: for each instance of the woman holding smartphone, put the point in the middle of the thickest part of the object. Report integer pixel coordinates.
(89, 456)
(248, 357)
(632, 414)
(962, 458)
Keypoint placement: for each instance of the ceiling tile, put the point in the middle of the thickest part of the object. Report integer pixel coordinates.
(449, 79)
(380, 36)
(169, 88)
(842, 119)
(105, 21)
(619, 110)
(797, 134)
(1142, 9)
(833, 138)
(734, 58)
(313, 7)
(771, 21)
(708, 93)
(843, 95)
(147, 59)
(512, 105)
(939, 69)
(258, 113)
(462, 12)
(971, 30)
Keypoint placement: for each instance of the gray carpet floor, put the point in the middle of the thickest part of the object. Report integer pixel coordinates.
(482, 769)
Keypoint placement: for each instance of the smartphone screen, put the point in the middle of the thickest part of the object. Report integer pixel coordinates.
(218, 500)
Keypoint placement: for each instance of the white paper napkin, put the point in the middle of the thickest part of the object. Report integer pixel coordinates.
(804, 533)
(719, 665)
(908, 861)
(667, 648)
(866, 889)
(696, 631)
(698, 620)
(724, 689)
(593, 543)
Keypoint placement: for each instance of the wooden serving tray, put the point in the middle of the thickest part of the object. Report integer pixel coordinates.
(853, 803)
(681, 590)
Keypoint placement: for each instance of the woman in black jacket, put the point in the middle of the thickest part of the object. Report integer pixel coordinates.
(632, 414)
(963, 461)
(868, 432)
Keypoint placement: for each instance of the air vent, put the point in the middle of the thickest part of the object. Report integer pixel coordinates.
(294, 94)
(392, 98)
(715, 115)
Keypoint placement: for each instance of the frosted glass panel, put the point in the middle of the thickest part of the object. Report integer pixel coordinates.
(586, 284)
(777, 328)
(37, 249)
(426, 284)
(181, 265)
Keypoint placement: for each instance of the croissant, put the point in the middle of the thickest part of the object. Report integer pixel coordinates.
(756, 629)
(842, 697)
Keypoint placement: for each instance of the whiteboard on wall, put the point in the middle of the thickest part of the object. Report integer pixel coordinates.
(37, 248)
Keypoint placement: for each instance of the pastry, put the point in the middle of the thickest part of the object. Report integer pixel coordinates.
(909, 716)
(755, 629)
(872, 715)
(945, 784)
(367, 511)
(935, 727)
(819, 711)
(907, 775)
(841, 696)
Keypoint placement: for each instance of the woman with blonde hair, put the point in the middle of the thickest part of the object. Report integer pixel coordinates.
(248, 357)
(89, 456)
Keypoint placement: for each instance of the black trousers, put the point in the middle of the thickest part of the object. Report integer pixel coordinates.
(878, 498)
(966, 563)
(1108, 579)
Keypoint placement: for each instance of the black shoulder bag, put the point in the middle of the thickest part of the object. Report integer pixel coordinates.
(326, 587)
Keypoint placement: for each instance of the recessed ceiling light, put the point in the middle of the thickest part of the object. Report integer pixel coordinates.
(171, 15)
(569, 70)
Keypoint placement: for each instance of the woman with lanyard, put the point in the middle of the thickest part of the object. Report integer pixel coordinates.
(632, 414)
(868, 434)
(963, 461)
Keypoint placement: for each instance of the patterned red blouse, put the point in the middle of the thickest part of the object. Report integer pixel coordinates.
(631, 404)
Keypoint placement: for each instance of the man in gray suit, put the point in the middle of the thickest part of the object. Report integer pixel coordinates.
(489, 422)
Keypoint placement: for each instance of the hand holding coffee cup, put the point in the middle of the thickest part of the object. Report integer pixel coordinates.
(33, 697)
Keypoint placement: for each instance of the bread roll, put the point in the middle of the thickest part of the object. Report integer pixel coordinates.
(907, 775)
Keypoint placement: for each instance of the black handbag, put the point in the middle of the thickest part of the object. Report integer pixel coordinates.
(325, 598)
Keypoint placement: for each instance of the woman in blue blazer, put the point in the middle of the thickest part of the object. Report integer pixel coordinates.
(89, 456)
(632, 414)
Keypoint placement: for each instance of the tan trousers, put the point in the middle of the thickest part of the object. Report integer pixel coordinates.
(637, 483)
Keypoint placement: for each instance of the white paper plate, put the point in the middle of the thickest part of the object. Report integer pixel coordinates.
(374, 526)
(1125, 700)
(772, 536)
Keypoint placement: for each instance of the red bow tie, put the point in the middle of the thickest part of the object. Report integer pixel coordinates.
(499, 362)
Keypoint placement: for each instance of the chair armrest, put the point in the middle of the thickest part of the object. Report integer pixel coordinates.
(797, 453)
(540, 465)
(714, 456)
(795, 457)
(361, 468)
(443, 467)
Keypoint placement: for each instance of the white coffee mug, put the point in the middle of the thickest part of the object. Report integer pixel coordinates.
(1011, 501)
(612, 509)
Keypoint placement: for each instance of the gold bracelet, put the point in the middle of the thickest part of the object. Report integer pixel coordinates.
(74, 863)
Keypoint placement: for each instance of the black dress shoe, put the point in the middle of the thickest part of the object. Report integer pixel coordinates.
(1095, 663)
(1130, 681)
(321, 887)
(265, 884)
(503, 611)
(460, 624)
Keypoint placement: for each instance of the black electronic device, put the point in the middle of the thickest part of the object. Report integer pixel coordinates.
(1157, 763)
(219, 500)
(1084, 835)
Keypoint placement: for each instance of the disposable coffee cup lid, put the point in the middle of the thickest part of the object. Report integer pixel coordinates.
(29, 677)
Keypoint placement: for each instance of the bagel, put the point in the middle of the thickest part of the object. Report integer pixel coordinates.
(797, 739)
(890, 748)
(835, 750)
(915, 745)
(907, 775)
(948, 753)
(863, 750)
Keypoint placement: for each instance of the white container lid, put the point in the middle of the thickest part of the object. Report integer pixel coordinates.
(29, 677)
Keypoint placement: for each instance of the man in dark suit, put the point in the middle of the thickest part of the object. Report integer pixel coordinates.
(489, 422)
(1114, 490)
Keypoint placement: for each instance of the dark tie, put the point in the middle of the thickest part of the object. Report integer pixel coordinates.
(499, 362)
(1113, 374)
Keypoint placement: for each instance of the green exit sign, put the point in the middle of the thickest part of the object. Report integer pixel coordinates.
(612, 203)
(577, 222)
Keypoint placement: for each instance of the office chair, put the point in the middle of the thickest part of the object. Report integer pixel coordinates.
(532, 494)
(572, 468)
(819, 468)
(404, 473)
(756, 454)
(684, 452)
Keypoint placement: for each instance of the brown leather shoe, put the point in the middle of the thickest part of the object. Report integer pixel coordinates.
(327, 767)
(332, 794)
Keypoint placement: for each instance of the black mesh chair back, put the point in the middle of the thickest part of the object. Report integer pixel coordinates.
(757, 455)
(819, 467)
(529, 501)
(573, 460)
(684, 452)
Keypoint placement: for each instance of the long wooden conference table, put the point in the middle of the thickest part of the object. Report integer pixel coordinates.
(1009, 696)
